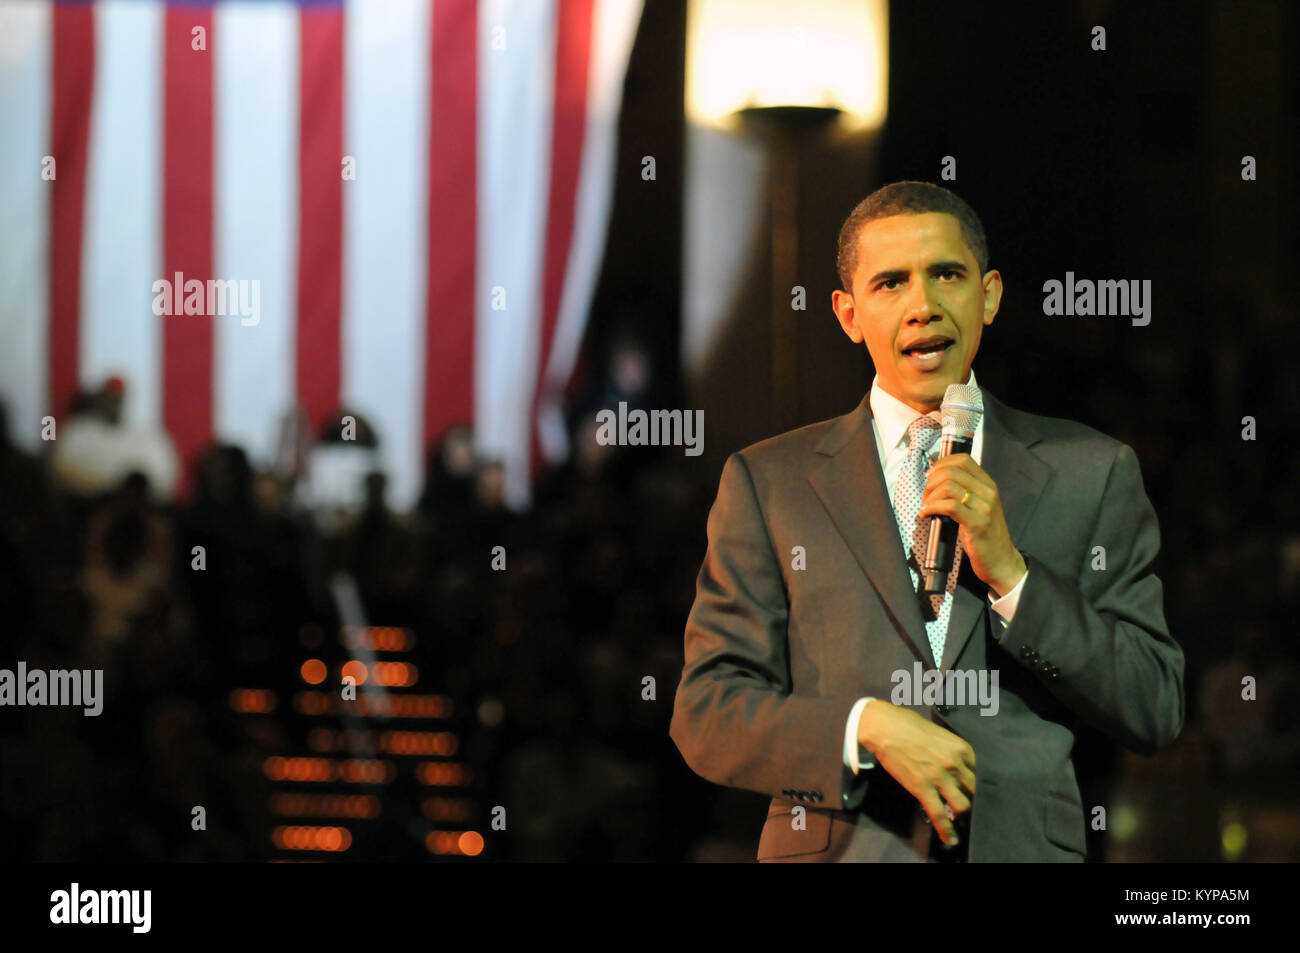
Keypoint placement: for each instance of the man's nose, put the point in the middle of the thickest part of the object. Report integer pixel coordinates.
(921, 305)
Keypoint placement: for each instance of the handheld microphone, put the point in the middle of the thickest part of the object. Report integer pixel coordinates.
(962, 408)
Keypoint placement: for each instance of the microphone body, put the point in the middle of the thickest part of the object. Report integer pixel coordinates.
(962, 408)
(942, 545)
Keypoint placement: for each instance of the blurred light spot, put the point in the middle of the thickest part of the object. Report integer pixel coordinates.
(443, 774)
(395, 674)
(442, 743)
(388, 639)
(326, 805)
(467, 843)
(313, 671)
(1124, 822)
(356, 670)
(255, 701)
(302, 837)
(366, 771)
(313, 703)
(300, 769)
(1235, 836)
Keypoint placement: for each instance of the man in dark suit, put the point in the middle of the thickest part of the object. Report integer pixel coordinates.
(808, 636)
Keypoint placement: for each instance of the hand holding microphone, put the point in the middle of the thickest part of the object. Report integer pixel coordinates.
(966, 500)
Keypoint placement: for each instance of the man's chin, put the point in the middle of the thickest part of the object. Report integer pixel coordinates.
(928, 390)
(931, 392)
(934, 386)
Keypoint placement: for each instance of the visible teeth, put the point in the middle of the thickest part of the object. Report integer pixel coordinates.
(930, 357)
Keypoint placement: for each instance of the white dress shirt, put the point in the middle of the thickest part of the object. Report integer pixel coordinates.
(890, 418)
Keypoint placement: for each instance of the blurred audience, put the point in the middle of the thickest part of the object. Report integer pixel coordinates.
(557, 632)
(96, 448)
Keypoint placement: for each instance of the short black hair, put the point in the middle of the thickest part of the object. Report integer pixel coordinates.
(907, 198)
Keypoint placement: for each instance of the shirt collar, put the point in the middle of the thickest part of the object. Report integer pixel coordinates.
(892, 416)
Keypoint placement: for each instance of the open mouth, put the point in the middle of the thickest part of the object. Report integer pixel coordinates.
(929, 356)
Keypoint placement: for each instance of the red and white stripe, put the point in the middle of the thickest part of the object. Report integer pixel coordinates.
(477, 167)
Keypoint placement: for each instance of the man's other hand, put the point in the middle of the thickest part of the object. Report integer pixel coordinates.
(928, 760)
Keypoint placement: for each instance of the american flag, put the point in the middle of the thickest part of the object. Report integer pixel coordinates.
(418, 188)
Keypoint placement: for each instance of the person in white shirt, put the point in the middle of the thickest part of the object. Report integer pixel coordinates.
(807, 610)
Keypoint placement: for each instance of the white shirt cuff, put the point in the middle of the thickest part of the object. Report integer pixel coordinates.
(851, 737)
(1005, 606)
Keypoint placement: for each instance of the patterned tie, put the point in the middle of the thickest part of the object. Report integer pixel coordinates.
(935, 608)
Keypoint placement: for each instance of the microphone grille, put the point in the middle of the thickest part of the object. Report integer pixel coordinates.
(962, 408)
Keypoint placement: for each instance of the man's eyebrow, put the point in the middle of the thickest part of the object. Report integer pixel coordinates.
(898, 274)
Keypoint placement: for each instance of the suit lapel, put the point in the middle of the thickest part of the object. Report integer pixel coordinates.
(1021, 478)
(851, 486)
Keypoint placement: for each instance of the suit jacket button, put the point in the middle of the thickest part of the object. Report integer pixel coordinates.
(943, 709)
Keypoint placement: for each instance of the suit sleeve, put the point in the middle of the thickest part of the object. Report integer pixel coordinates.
(735, 719)
(1100, 643)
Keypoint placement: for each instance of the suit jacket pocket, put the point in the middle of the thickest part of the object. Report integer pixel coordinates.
(1063, 822)
(783, 839)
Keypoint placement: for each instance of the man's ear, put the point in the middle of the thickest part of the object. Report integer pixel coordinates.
(842, 305)
(992, 295)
